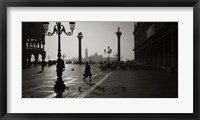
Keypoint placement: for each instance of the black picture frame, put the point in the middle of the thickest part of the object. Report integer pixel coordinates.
(98, 3)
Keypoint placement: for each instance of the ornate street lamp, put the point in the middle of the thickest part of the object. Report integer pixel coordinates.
(109, 51)
(59, 87)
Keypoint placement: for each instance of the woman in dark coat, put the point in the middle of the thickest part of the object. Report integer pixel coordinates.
(87, 72)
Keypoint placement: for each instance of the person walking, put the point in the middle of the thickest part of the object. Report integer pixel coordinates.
(42, 66)
(87, 72)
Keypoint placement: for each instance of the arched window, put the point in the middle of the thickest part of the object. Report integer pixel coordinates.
(32, 58)
(39, 58)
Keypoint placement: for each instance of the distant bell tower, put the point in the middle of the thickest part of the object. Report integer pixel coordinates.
(86, 53)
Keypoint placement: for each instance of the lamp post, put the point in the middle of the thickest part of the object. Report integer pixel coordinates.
(109, 51)
(118, 33)
(80, 36)
(59, 87)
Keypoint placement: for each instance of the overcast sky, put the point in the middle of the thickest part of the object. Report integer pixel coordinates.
(97, 36)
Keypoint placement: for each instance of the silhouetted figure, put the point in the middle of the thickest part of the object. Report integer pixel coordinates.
(103, 89)
(87, 72)
(79, 89)
(42, 66)
(124, 89)
(50, 63)
(101, 63)
(62, 64)
(67, 88)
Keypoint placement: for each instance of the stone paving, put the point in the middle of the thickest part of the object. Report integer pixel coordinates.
(139, 84)
(39, 84)
(105, 84)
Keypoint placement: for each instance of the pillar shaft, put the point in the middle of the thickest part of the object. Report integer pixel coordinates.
(79, 49)
(119, 52)
(80, 36)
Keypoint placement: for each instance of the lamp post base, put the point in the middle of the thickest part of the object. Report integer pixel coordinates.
(59, 88)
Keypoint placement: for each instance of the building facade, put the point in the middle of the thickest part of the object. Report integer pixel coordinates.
(33, 42)
(156, 44)
(95, 58)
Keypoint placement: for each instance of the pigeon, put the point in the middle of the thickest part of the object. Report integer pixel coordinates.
(67, 88)
(123, 88)
(103, 89)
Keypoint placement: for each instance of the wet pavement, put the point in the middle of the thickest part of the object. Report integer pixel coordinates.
(105, 84)
(39, 84)
(139, 84)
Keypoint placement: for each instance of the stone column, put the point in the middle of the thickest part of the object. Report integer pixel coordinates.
(118, 33)
(80, 36)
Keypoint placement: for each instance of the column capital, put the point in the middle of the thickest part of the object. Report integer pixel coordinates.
(118, 33)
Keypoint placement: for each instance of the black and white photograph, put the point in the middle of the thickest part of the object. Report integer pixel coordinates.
(99, 59)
